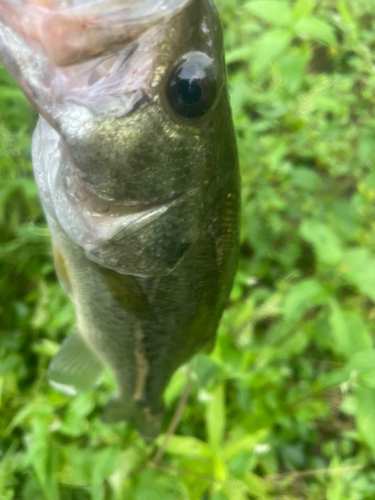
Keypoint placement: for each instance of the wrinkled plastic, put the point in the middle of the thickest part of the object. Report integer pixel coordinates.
(99, 54)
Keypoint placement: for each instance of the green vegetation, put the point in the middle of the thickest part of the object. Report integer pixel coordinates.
(284, 408)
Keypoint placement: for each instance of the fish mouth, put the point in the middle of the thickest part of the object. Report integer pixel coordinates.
(114, 80)
(98, 54)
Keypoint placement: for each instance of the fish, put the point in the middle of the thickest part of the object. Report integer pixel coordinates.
(136, 164)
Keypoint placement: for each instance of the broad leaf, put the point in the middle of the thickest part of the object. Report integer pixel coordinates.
(272, 11)
(325, 242)
(269, 46)
(315, 29)
(215, 416)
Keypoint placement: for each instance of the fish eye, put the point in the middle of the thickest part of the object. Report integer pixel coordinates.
(192, 87)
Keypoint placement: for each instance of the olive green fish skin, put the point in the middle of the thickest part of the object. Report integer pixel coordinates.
(154, 152)
(152, 295)
(145, 327)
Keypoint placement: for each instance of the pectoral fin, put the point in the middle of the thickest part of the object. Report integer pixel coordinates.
(75, 368)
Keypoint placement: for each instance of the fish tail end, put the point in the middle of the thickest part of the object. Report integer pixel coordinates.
(147, 421)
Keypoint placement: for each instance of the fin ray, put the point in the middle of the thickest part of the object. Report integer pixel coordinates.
(75, 368)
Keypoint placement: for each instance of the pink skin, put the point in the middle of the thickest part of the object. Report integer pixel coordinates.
(67, 38)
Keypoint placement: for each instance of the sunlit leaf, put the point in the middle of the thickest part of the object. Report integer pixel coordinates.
(273, 11)
(269, 46)
(359, 269)
(215, 416)
(154, 485)
(324, 240)
(257, 487)
(244, 443)
(366, 415)
(363, 363)
(188, 446)
(349, 333)
(302, 297)
(316, 29)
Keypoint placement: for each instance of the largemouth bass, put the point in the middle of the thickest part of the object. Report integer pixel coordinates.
(135, 160)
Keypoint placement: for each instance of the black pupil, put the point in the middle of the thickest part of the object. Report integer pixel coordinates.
(188, 91)
(191, 89)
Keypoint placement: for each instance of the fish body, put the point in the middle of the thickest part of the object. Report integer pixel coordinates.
(136, 164)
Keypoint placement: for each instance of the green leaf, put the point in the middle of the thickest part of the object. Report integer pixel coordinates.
(239, 54)
(10, 363)
(256, 485)
(303, 297)
(244, 443)
(269, 46)
(236, 490)
(348, 330)
(155, 485)
(369, 180)
(34, 408)
(197, 472)
(219, 495)
(359, 270)
(366, 415)
(325, 242)
(219, 469)
(306, 178)
(187, 446)
(105, 463)
(315, 29)
(291, 70)
(175, 386)
(272, 11)
(345, 13)
(75, 423)
(215, 416)
(42, 456)
(46, 347)
(303, 8)
(364, 364)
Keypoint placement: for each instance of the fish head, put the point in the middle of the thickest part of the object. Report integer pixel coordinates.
(167, 143)
(136, 135)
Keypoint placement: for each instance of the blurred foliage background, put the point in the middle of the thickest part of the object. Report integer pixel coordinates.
(284, 408)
